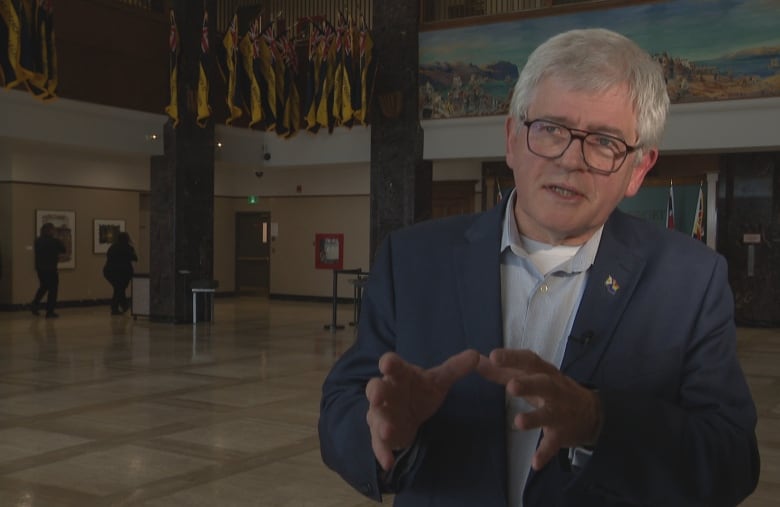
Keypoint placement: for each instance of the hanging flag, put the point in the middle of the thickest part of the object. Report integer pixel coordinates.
(204, 109)
(51, 49)
(291, 118)
(250, 51)
(25, 67)
(10, 31)
(366, 71)
(230, 43)
(173, 45)
(267, 81)
(338, 71)
(325, 106)
(698, 219)
(312, 80)
(39, 46)
(347, 110)
(670, 208)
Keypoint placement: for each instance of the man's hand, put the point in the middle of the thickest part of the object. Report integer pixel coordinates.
(405, 397)
(569, 414)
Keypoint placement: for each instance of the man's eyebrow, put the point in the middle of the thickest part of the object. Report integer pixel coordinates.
(595, 128)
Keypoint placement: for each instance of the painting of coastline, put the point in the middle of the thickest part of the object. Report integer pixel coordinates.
(709, 50)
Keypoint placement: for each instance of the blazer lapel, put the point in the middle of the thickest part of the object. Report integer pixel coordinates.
(479, 281)
(611, 281)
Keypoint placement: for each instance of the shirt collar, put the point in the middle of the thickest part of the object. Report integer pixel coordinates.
(510, 239)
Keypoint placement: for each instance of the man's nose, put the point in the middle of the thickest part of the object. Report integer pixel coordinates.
(573, 157)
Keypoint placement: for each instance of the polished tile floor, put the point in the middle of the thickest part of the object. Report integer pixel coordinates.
(98, 410)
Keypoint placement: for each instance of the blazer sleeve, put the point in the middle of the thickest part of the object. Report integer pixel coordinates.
(696, 446)
(345, 440)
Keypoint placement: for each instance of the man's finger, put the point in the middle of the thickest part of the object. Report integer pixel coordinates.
(548, 448)
(531, 386)
(376, 391)
(456, 367)
(383, 452)
(522, 359)
(494, 373)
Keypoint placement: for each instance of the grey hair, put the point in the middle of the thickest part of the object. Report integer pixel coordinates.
(595, 60)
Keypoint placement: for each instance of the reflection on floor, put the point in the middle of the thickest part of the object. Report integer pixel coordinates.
(98, 410)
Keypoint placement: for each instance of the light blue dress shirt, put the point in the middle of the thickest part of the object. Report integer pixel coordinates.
(541, 289)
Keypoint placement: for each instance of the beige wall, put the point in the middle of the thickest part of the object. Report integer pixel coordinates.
(292, 252)
(86, 281)
(6, 240)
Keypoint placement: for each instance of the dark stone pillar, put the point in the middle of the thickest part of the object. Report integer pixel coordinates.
(400, 178)
(749, 234)
(182, 184)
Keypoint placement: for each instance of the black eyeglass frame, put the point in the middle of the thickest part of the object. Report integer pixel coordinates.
(581, 135)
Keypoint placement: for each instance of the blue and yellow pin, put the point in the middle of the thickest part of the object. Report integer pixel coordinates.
(612, 285)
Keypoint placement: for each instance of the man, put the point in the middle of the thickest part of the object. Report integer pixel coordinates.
(552, 351)
(47, 252)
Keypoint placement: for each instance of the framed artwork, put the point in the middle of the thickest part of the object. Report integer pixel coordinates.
(64, 223)
(328, 251)
(105, 233)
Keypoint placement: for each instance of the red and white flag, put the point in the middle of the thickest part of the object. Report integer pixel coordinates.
(698, 219)
(670, 208)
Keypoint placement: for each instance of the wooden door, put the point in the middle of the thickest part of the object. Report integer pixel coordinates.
(253, 246)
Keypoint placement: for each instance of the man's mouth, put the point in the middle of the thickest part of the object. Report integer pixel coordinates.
(562, 191)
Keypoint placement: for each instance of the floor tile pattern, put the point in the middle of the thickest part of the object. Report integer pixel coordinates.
(99, 410)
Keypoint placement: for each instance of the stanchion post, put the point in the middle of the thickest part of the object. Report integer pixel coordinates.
(333, 326)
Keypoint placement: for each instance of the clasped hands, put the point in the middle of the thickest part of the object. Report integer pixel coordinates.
(405, 396)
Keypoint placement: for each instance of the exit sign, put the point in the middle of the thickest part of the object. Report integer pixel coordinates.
(252, 199)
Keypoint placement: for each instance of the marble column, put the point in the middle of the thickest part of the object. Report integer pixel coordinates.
(400, 178)
(182, 184)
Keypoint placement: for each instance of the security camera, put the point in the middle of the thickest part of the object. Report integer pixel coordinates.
(266, 156)
(259, 174)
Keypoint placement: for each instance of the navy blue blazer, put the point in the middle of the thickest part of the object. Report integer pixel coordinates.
(654, 333)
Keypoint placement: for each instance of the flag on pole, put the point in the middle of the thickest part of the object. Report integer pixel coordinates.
(249, 47)
(698, 219)
(231, 45)
(204, 109)
(173, 44)
(10, 33)
(670, 208)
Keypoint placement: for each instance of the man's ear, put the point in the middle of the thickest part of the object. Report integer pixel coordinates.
(638, 173)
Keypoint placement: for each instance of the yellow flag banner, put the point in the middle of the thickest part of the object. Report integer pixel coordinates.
(332, 87)
(204, 109)
(365, 66)
(292, 98)
(313, 81)
(172, 109)
(38, 82)
(328, 49)
(51, 50)
(230, 42)
(10, 30)
(250, 52)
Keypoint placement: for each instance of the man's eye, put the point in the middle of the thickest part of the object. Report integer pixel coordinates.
(606, 142)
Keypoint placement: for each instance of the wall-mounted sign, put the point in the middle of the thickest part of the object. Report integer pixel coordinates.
(328, 251)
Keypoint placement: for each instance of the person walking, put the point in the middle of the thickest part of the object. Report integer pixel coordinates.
(48, 248)
(119, 271)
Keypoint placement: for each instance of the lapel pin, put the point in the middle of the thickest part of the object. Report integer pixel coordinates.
(612, 285)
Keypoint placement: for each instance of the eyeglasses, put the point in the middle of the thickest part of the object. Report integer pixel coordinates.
(602, 153)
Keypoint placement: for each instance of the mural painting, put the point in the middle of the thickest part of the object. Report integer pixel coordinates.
(709, 50)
